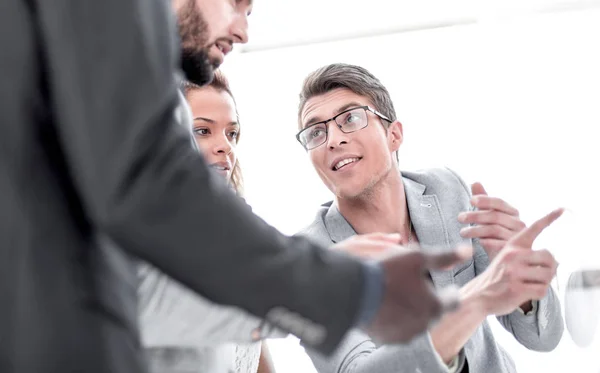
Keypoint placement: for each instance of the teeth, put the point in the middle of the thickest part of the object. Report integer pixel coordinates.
(219, 168)
(344, 162)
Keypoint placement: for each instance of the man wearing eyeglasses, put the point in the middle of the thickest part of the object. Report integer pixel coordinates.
(349, 129)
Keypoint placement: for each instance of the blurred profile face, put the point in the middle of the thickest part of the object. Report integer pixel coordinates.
(208, 29)
(216, 128)
(351, 164)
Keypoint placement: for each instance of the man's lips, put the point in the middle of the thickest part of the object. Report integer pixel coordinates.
(341, 162)
(224, 46)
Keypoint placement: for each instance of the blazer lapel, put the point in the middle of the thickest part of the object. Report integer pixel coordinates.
(429, 225)
(425, 215)
(339, 229)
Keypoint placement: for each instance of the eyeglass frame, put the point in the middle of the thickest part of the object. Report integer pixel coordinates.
(364, 107)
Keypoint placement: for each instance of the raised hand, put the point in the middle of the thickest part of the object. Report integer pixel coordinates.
(495, 221)
(518, 273)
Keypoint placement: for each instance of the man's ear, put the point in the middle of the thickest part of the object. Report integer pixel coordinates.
(395, 135)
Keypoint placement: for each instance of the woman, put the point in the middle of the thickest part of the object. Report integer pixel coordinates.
(182, 332)
(216, 127)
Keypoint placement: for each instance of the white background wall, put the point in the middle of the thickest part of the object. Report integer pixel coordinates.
(512, 102)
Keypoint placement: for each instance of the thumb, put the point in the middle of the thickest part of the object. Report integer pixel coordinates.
(478, 189)
(446, 260)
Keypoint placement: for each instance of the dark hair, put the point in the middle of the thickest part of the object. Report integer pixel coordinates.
(220, 83)
(355, 78)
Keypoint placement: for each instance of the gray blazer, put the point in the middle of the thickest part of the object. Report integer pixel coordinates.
(435, 198)
(90, 152)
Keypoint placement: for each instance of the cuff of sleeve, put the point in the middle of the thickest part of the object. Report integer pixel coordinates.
(531, 312)
(372, 293)
(454, 366)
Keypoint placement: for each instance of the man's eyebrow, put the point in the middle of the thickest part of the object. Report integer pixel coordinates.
(348, 106)
(317, 119)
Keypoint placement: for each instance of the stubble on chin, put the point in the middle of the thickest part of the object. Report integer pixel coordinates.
(193, 32)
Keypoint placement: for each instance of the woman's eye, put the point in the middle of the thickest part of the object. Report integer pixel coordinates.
(234, 135)
(201, 131)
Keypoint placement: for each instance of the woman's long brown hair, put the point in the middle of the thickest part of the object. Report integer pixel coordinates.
(221, 84)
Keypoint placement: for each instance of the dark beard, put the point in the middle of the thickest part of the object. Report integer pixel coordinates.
(193, 32)
(196, 67)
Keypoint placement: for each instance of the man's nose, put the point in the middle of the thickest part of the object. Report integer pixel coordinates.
(239, 29)
(335, 136)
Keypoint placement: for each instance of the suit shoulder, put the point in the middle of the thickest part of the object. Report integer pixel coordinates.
(438, 180)
(317, 231)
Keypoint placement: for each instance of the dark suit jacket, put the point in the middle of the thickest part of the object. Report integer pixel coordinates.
(90, 152)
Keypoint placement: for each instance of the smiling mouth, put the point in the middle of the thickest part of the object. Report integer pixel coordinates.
(344, 162)
(224, 48)
(220, 168)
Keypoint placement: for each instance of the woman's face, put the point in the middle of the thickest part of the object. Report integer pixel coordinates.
(216, 127)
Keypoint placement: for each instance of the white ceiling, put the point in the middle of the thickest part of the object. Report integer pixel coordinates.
(284, 23)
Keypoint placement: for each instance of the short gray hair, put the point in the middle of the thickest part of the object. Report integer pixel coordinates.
(355, 78)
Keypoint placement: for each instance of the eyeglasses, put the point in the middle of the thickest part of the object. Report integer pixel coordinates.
(347, 121)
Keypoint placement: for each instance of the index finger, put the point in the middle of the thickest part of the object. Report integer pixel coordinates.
(478, 189)
(526, 237)
(483, 202)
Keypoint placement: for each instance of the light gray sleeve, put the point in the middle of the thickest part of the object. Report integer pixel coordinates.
(172, 315)
(358, 354)
(541, 330)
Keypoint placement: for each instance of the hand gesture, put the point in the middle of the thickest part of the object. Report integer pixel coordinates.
(495, 221)
(518, 273)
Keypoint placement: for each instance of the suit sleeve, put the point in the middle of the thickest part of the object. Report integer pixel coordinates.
(540, 330)
(358, 354)
(110, 73)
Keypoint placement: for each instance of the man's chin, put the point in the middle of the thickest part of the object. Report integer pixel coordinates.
(198, 67)
(216, 59)
(348, 192)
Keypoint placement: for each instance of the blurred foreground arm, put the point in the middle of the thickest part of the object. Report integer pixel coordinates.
(114, 96)
(139, 182)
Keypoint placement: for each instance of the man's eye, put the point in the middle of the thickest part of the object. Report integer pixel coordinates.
(316, 133)
(352, 118)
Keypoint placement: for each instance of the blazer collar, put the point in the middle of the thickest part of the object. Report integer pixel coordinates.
(425, 214)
